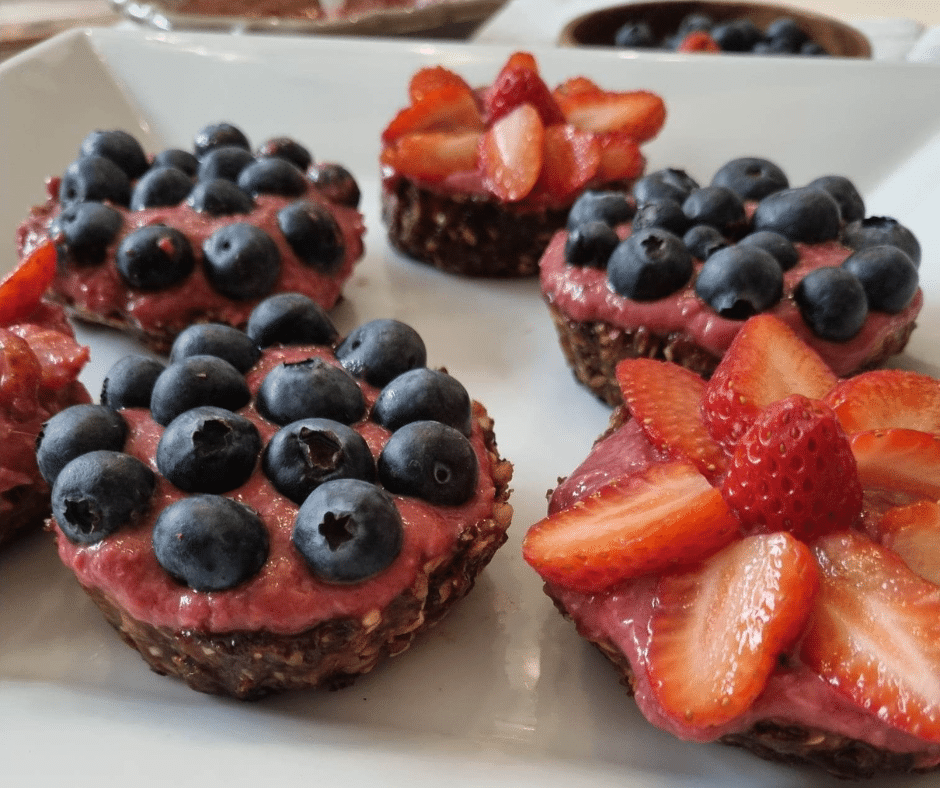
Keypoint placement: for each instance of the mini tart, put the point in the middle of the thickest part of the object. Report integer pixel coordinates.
(476, 181)
(91, 286)
(286, 627)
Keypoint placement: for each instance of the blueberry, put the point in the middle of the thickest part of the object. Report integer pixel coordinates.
(290, 319)
(751, 178)
(635, 35)
(715, 205)
(804, 214)
(381, 350)
(219, 197)
(272, 176)
(832, 302)
(210, 542)
(226, 162)
(610, 207)
(217, 135)
(347, 531)
(75, 431)
(430, 461)
(208, 449)
(336, 183)
(179, 159)
(812, 49)
(423, 395)
(843, 191)
(879, 230)
(310, 389)
(663, 213)
(118, 146)
(649, 265)
(314, 235)
(195, 381)
(668, 184)
(241, 261)
(772, 46)
(783, 251)
(703, 241)
(740, 281)
(98, 493)
(785, 34)
(86, 229)
(888, 275)
(306, 453)
(95, 179)
(286, 148)
(161, 186)
(590, 244)
(216, 339)
(154, 257)
(738, 35)
(693, 23)
(129, 382)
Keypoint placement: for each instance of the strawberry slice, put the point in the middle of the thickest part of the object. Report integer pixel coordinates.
(793, 470)
(638, 112)
(569, 160)
(20, 375)
(913, 532)
(664, 516)
(60, 357)
(698, 41)
(22, 289)
(511, 153)
(574, 86)
(718, 631)
(522, 60)
(665, 399)
(446, 108)
(898, 460)
(874, 633)
(517, 85)
(884, 398)
(620, 157)
(433, 155)
(431, 78)
(766, 362)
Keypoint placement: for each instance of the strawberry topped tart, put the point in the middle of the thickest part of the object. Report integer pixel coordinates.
(152, 244)
(277, 508)
(476, 181)
(672, 269)
(759, 554)
(39, 366)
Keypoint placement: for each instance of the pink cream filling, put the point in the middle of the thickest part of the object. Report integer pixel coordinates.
(583, 294)
(621, 615)
(284, 597)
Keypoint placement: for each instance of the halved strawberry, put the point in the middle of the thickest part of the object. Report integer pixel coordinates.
(431, 78)
(664, 516)
(433, 155)
(698, 41)
(60, 357)
(516, 85)
(20, 375)
(620, 157)
(570, 159)
(665, 399)
(766, 362)
(717, 631)
(793, 470)
(913, 532)
(874, 633)
(511, 153)
(446, 108)
(884, 398)
(638, 112)
(898, 460)
(22, 289)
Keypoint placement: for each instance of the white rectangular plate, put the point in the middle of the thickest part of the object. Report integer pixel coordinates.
(503, 693)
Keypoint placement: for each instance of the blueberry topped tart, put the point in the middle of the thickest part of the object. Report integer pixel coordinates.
(152, 244)
(672, 269)
(278, 507)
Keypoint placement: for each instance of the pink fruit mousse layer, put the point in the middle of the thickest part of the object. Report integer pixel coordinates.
(99, 289)
(583, 294)
(621, 615)
(284, 597)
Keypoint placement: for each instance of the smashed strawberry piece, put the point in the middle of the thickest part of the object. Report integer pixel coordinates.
(898, 460)
(446, 108)
(717, 631)
(639, 113)
(22, 289)
(429, 79)
(698, 41)
(20, 375)
(884, 398)
(666, 516)
(874, 634)
(913, 532)
(570, 159)
(432, 156)
(511, 153)
(517, 85)
(621, 159)
(60, 357)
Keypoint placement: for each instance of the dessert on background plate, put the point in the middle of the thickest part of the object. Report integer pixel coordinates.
(39, 366)
(476, 181)
(152, 244)
(277, 508)
(672, 269)
(759, 554)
